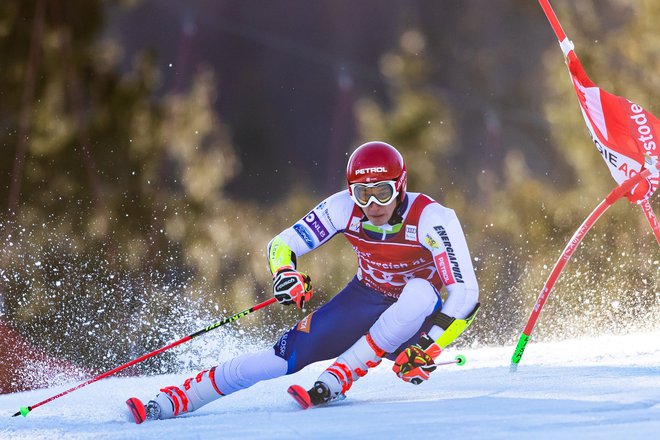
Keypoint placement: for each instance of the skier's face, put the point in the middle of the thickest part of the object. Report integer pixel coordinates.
(379, 215)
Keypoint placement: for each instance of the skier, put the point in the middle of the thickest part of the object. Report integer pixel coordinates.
(408, 247)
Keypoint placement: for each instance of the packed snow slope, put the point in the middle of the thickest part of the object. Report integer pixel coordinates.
(591, 388)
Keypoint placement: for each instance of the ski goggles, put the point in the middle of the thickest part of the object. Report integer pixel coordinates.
(380, 193)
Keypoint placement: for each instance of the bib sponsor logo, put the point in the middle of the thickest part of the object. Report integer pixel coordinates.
(354, 225)
(326, 215)
(304, 234)
(305, 325)
(442, 263)
(316, 226)
(431, 242)
(411, 233)
(450, 256)
(371, 170)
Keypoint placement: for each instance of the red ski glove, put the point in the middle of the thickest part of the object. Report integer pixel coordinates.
(292, 287)
(415, 363)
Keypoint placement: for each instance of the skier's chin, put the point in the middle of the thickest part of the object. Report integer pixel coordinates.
(379, 215)
(378, 220)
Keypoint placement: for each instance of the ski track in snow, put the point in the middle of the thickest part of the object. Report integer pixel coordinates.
(591, 388)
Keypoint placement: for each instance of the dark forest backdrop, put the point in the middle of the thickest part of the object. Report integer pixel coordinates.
(150, 149)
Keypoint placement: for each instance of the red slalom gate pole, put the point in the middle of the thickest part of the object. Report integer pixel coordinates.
(25, 410)
(653, 220)
(573, 243)
(554, 21)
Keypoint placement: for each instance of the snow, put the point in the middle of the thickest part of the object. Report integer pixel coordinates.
(589, 388)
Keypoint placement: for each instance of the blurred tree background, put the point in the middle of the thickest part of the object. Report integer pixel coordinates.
(151, 149)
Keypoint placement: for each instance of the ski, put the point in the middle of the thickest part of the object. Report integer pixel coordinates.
(137, 409)
(318, 395)
(300, 395)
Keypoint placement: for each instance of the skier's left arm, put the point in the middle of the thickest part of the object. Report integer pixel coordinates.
(454, 265)
(440, 232)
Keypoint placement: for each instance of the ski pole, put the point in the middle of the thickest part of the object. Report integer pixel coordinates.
(25, 410)
(573, 243)
(458, 360)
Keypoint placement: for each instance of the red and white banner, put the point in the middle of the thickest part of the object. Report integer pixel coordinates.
(625, 134)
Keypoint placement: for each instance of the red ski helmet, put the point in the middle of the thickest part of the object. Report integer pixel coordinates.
(376, 162)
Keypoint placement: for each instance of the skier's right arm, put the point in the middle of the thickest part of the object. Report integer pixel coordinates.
(289, 285)
(317, 227)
